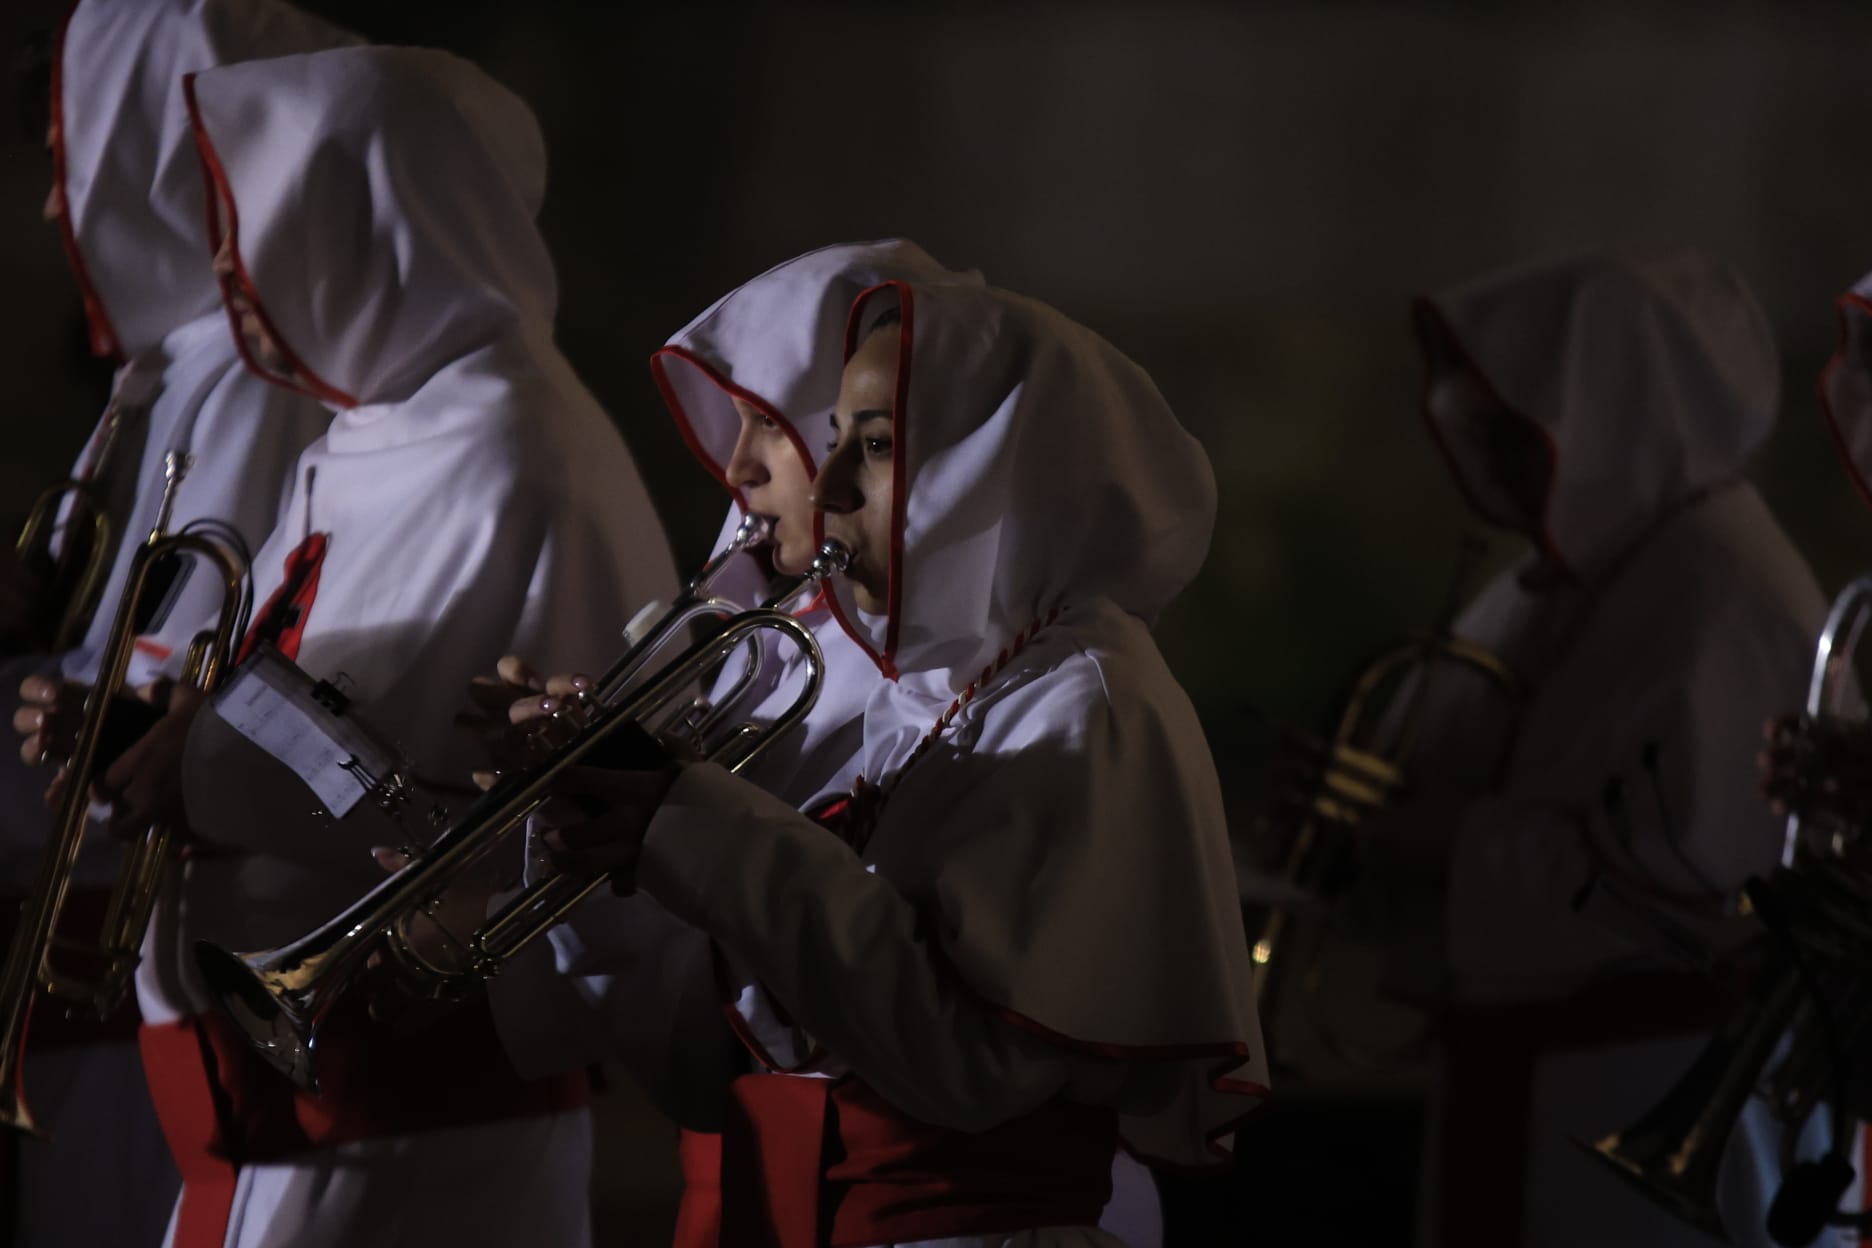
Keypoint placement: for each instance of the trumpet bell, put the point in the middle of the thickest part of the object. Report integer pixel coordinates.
(266, 1006)
(1670, 1180)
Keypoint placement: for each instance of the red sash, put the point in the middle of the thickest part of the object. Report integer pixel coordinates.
(822, 1163)
(698, 1217)
(222, 1107)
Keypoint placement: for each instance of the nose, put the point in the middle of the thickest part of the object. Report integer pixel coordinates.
(835, 490)
(745, 468)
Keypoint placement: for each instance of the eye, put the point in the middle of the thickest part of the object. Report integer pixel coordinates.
(769, 423)
(831, 446)
(879, 448)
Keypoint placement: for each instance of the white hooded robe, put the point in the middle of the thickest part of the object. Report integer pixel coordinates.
(1044, 907)
(1665, 616)
(129, 190)
(374, 210)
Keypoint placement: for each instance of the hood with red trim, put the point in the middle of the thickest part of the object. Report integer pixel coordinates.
(775, 342)
(376, 205)
(1038, 468)
(124, 157)
(1633, 379)
(1846, 386)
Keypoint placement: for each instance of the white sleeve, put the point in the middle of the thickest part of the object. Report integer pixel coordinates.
(844, 952)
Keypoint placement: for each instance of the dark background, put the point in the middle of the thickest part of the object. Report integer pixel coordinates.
(1242, 197)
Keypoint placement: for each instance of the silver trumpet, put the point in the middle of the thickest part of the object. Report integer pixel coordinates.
(280, 996)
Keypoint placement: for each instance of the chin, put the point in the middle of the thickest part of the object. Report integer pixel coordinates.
(792, 562)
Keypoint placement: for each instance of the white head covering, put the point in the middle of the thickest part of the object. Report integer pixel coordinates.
(376, 207)
(1065, 831)
(129, 179)
(129, 182)
(1673, 335)
(769, 342)
(1846, 386)
(123, 155)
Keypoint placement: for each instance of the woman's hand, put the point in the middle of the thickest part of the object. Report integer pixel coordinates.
(49, 713)
(597, 817)
(144, 785)
(509, 744)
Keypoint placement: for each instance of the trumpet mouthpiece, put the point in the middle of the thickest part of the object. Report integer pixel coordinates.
(754, 530)
(834, 558)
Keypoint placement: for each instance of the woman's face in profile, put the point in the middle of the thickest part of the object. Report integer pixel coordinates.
(855, 487)
(773, 479)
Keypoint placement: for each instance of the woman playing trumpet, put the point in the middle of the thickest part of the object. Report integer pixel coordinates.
(1016, 941)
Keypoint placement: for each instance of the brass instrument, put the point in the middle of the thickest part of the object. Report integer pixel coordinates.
(29, 964)
(1362, 775)
(280, 996)
(1817, 908)
(76, 574)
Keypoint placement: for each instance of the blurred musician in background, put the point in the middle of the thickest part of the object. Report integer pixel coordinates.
(1604, 406)
(128, 205)
(372, 224)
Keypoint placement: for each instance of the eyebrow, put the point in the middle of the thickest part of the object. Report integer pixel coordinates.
(859, 418)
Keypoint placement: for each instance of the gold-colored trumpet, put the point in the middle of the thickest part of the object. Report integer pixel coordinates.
(74, 575)
(29, 967)
(280, 996)
(1362, 775)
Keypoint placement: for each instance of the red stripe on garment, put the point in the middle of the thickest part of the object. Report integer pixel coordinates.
(281, 622)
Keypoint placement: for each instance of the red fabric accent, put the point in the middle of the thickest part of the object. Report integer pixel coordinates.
(53, 1025)
(281, 622)
(221, 1106)
(1848, 305)
(814, 1163)
(886, 659)
(1425, 311)
(660, 371)
(773, 1162)
(239, 284)
(1488, 1058)
(103, 335)
(155, 649)
(699, 1215)
(179, 1065)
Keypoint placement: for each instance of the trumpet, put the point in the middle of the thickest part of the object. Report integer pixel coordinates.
(29, 966)
(1363, 773)
(78, 569)
(1816, 909)
(280, 996)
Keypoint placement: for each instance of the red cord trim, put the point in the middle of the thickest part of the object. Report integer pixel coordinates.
(1848, 305)
(102, 333)
(659, 370)
(239, 284)
(1424, 311)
